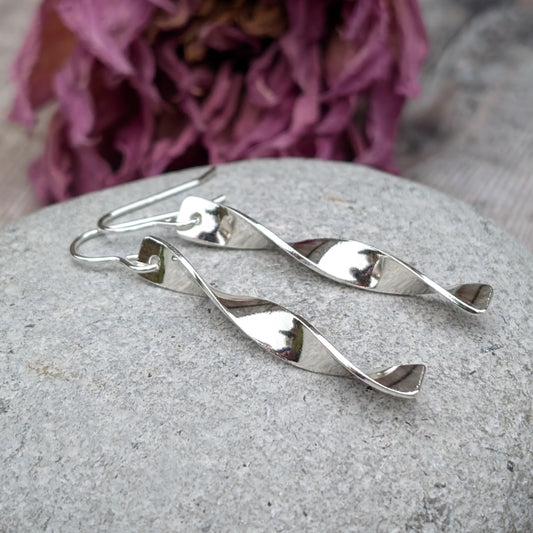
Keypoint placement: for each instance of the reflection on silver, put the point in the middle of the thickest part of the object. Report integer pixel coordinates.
(278, 330)
(353, 263)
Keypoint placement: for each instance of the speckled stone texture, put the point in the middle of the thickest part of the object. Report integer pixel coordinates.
(125, 407)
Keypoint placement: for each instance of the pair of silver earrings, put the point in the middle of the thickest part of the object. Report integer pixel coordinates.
(275, 328)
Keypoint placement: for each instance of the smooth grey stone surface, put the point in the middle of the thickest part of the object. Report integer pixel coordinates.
(125, 407)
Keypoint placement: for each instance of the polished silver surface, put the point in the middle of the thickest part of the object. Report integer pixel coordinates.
(346, 261)
(353, 263)
(275, 328)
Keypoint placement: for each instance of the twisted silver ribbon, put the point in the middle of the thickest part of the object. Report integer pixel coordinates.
(276, 329)
(346, 261)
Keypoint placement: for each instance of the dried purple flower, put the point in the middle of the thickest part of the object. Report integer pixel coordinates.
(143, 86)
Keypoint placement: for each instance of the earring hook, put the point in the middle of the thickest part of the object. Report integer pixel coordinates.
(166, 219)
(131, 261)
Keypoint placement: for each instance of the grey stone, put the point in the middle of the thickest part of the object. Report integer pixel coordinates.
(125, 407)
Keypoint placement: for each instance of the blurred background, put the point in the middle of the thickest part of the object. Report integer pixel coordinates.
(469, 134)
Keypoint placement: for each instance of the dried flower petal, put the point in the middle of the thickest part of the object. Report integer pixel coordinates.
(106, 27)
(47, 46)
(73, 94)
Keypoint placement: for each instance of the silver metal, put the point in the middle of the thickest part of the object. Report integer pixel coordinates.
(346, 261)
(131, 261)
(276, 329)
(105, 221)
(350, 262)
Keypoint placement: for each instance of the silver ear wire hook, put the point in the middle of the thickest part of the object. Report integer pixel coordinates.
(273, 327)
(170, 219)
(131, 261)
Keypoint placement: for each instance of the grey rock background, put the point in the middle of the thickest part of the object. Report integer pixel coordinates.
(124, 407)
